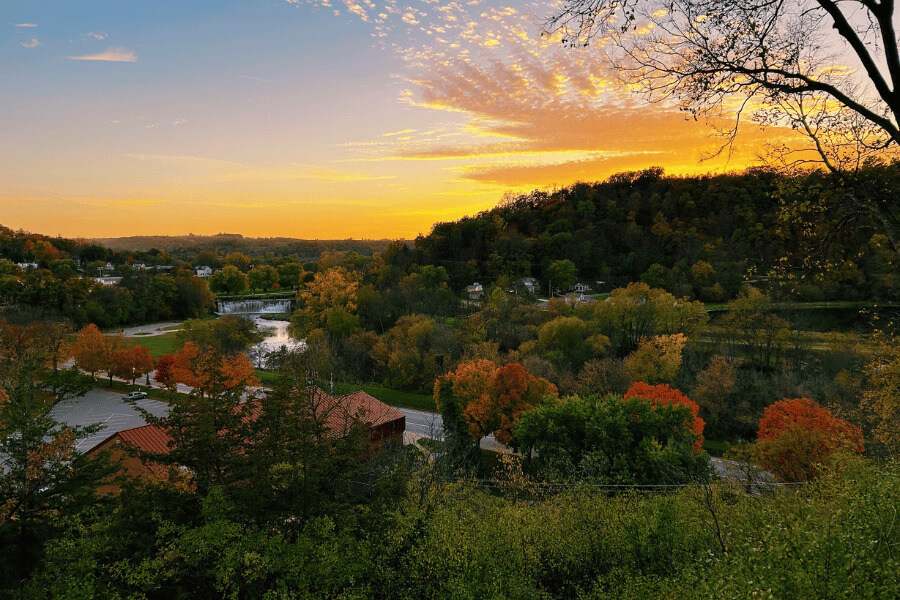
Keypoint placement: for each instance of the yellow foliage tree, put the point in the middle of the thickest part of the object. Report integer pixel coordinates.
(657, 359)
(880, 406)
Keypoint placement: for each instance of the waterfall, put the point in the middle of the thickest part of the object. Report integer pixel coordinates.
(254, 307)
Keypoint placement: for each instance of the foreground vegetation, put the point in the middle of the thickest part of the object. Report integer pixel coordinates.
(413, 536)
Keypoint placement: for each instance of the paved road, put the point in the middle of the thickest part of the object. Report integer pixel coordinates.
(420, 423)
(423, 424)
(108, 408)
(150, 330)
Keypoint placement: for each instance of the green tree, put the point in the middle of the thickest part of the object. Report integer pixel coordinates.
(415, 351)
(612, 441)
(209, 426)
(562, 274)
(752, 329)
(567, 342)
(229, 280)
(289, 275)
(637, 312)
(228, 335)
(262, 277)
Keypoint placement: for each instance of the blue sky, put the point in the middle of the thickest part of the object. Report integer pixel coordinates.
(306, 118)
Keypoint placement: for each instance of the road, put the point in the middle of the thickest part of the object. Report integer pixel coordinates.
(151, 329)
(424, 424)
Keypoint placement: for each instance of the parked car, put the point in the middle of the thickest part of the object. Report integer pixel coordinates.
(136, 396)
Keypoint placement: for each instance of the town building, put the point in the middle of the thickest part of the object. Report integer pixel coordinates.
(339, 413)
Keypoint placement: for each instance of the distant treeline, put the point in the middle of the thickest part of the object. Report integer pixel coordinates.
(187, 247)
(694, 236)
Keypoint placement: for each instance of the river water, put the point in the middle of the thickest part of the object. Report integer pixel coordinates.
(277, 336)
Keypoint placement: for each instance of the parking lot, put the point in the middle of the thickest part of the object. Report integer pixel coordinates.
(108, 408)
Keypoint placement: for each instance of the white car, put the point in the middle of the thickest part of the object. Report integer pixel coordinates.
(136, 396)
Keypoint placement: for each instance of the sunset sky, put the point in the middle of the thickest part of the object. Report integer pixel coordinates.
(312, 119)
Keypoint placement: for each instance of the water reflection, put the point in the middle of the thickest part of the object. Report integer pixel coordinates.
(277, 336)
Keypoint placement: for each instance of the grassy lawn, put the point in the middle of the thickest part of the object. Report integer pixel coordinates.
(157, 344)
(267, 377)
(385, 394)
(396, 397)
(860, 304)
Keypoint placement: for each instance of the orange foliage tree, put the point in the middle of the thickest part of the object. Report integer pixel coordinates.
(131, 363)
(663, 394)
(89, 349)
(210, 426)
(796, 435)
(480, 398)
(211, 373)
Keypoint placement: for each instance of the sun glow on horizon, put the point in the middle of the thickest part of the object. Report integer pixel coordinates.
(380, 122)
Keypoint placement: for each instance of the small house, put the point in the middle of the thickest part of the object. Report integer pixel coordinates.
(108, 280)
(530, 284)
(475, 291)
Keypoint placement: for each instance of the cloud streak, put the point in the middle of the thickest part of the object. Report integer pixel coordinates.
(111, 55)
(34, 43)
(26, 25)
(516, 94)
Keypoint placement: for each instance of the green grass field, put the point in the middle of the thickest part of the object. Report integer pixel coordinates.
(157, 344)
(386, 395)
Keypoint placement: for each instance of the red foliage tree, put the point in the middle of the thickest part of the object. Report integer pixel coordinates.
(796, 434)
(483, 398)
(164, 367)
(663, 394)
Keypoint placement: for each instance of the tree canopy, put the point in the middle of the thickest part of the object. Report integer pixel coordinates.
(828, 69)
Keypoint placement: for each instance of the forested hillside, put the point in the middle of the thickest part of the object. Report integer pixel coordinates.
(694, 236)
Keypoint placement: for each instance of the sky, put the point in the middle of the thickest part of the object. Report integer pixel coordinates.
(320, 119)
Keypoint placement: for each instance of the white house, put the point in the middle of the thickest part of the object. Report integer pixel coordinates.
(581, 288)
(108, 280)
(475, 291)
(204, 271)
(530, 284)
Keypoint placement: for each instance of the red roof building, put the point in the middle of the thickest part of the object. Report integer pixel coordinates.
(386, 426)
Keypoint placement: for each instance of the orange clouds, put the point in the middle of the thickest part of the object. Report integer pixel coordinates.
(535, 113)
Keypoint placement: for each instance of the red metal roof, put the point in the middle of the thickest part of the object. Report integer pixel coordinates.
(149, 438)
(339, 412)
